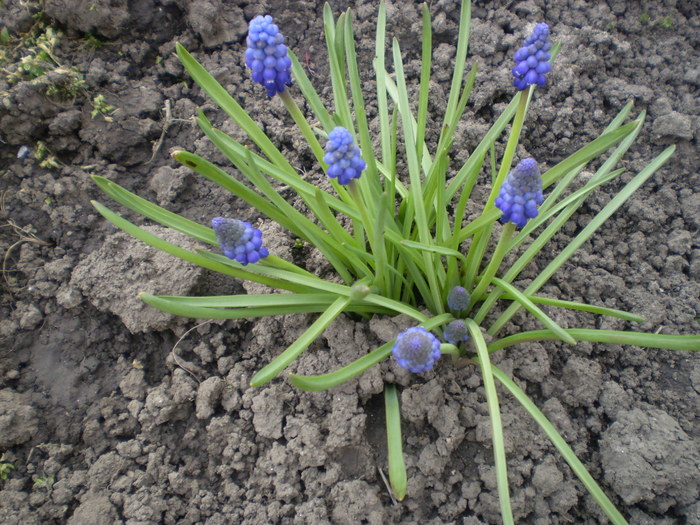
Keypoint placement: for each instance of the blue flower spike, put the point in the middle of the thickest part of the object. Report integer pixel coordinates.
(416, 349)
(458, 298)
(521, 193)
(343, 156)
(456, 332)
(266, 55)
(239, 240)
(532, 60)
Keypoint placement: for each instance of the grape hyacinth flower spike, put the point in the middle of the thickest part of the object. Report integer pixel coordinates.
(532, 60)
(456, 332)
(416, 349)
(521, 193)
(239, 240)
(458, 298)
(266, 55)
(343, 156)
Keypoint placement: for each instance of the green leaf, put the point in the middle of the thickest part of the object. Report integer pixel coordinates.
(499, 451)
(310, 94)
(668, 342)
(582, 307)
(534, 310)
(154, 212)
(397, 468)
(282, 361)
(611, 512)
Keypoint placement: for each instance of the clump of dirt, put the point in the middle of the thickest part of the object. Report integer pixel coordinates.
(112, 413)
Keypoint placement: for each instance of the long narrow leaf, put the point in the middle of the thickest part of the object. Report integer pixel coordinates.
(282, 361)
(535, 311)
(155, 212)
(561, 445)
(663, 341)
(499, 451)
(397, 467)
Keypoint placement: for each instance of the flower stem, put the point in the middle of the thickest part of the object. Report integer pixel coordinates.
(481, 241)
(498, 255)
(300, 120)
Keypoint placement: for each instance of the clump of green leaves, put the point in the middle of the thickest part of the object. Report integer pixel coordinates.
(33, 56)
(665, 22)
(6, 468)
(46, 159)
(101, 107)
(44, 482)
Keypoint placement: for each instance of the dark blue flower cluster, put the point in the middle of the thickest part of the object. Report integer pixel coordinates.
(239, 240)
(266, 55)
(532, 60)
(521, 193)
(456, 332)
(416, 349)
(458, 298)
(343, 156)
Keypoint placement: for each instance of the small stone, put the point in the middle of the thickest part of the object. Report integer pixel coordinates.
(674, 124)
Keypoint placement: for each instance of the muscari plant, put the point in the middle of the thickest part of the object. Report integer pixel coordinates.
(408, 249)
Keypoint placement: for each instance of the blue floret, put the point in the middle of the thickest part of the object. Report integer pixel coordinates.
(266, 55)
(532, 60)
(456, 332)
(458, 298)
(521, 193)
(343, 156)
(239, 240)
(416, 349)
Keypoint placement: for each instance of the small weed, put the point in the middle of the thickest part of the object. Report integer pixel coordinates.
(44, 482)
(665, 22)
(39, 45)
(68, 86)
(644, 18)
(5, 468)
(46, 159)
(101, 107)
(93, 42)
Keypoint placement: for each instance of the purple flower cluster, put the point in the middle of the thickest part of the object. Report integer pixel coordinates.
(521, 193)
(458, 298)
(239, 240)
(266, 55)
(456, 332)
(416, 349)
(343, 156)
(532, 60)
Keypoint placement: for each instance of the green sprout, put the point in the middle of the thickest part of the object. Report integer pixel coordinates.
(665, 22)
(68, 84)
(101, 107)
(6, 468)
(396, 237)
(93, 42)
(644, 18)
(39, 46)
(44, 482)
(45, 157)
